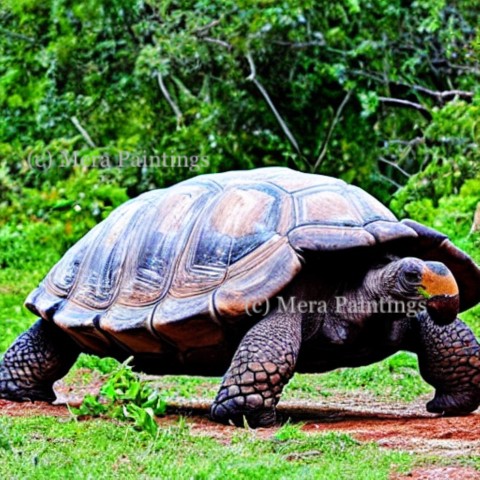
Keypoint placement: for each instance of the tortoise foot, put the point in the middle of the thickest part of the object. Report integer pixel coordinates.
(18, 389)
(15, 394)
(243, 411)
(452, 404)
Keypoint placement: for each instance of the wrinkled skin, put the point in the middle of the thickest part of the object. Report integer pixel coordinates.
(283, 342)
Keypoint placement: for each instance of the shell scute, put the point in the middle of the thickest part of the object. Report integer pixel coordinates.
(326, 206)
(160, 242)
(99, 277)
(240, 221)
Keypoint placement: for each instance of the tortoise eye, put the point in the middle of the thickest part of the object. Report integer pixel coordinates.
(413, 276)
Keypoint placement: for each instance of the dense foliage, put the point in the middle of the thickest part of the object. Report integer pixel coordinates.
(101, 100)
(315, 85)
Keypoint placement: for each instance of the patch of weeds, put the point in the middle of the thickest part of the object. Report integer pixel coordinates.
(302, 387)
(337, 442)
(289, 431)
(187, 387)
(103, 365)
(125, 396)
(80, 377)
(294, 443)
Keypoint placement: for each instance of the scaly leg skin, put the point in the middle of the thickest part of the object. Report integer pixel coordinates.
(262, 366)
(37, 358)
(449, 359)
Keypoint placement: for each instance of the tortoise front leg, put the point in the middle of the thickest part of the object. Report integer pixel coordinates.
(37, 358)
(449, 359)
(263, 364)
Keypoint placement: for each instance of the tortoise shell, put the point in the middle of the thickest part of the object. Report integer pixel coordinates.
(172, 268)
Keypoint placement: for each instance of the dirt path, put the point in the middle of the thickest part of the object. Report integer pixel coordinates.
(391, 425)
(420, 433)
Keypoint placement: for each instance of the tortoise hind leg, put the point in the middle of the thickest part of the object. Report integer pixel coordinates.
(37, 358)
(261, 367)
(449, 359)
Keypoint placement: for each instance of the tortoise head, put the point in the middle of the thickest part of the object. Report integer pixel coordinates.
(436, 284)
(440, 289)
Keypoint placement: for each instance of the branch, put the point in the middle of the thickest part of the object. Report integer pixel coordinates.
(445, 95)
(441, 96)
(370, 75)
(202, 30)
(201, 33)
(253, 70)
(333, 123)
(393, 182)
(398, 102)
(251, 64)
(168, 98)
(83, 132)
(409, 143)
(393, 164)
(216, 41)
(465, 68)
(300, 45)
(283, 125)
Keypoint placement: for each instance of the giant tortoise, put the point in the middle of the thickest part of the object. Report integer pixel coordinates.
(258, 274)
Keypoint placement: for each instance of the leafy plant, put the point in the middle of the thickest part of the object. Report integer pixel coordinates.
(125, 396)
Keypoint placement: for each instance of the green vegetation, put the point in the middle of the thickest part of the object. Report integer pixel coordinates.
(126, 398)
(321, 86)
(383, 94)
(105, 450)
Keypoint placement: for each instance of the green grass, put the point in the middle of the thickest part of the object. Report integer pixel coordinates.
(395, 378)
(14, 317)
(38, 448)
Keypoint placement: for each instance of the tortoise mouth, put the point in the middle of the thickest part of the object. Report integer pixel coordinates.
(443, 309)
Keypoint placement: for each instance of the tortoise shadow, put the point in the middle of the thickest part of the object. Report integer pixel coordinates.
(298, 412)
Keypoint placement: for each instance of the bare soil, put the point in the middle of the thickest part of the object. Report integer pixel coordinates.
(422, 433)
